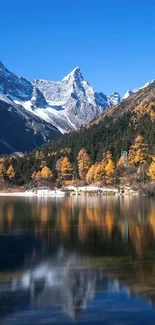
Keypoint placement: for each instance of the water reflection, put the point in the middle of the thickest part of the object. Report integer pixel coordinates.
(63, 280)
(127, 222)
(81, 258)
(64, 288)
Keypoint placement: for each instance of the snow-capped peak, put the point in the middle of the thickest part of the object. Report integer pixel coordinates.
(75, 74)
(144, 86)
(128, 93)
(66, 104)
(114, 99)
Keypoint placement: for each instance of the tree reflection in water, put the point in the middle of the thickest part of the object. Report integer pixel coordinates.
(62, 252)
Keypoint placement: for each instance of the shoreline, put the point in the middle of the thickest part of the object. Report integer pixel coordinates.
(74, 191)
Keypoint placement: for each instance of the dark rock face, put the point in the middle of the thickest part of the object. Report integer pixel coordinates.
(20, 130)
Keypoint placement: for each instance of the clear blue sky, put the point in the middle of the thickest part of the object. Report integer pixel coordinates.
(113, 41)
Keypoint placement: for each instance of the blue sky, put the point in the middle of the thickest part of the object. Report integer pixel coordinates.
(112, 41)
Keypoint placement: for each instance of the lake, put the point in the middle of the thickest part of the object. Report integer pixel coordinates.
(83, 260)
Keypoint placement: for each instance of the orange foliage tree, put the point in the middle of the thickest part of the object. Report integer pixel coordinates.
(91, 173)
(66, 167)
(84, 163)
(46, 173)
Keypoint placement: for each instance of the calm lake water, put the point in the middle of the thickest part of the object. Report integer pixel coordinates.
(88, 260)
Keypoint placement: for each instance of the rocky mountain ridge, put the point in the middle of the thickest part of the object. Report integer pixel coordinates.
(44, 109)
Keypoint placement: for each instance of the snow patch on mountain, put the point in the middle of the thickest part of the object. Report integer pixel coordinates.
(131, 92)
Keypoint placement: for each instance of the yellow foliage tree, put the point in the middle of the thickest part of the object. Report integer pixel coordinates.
(90, 173)
(138, 152)
(99, 172)
(46, 173)
(10, 172)
(109, 169)
(66, 167)
(151, 170)
(84, 163)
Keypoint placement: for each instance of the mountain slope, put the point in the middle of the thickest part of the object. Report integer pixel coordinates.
(20, 130)
(115, 129)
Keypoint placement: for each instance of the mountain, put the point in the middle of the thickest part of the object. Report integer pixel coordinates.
(72, 101)
(20, 130)
(131, 92)
(45, 109)
(66, 104)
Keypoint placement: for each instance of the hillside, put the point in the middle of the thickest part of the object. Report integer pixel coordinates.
(116, 128)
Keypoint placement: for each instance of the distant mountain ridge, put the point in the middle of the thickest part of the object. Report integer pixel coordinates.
(131, 92)
(46, 109)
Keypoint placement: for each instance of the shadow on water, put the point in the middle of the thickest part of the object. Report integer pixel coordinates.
(83, 259)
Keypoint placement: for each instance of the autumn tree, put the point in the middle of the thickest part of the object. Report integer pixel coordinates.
(91, 173)
(109, 169)
(46, 173)
(10, 172)
(84, 163)
(151, 170)
(99, 172)
(138, 152)
(66, 167)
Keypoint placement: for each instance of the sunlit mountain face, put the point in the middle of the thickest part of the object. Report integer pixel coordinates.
(85, 259)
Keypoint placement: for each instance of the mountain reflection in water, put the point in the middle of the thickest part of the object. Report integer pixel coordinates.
(87, 259)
